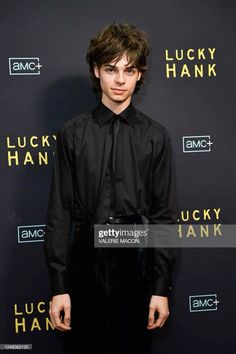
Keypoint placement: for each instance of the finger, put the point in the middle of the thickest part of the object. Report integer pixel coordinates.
(63, 325)
(67, 318)
(59, 322)
(151, 317)
(52, 320)
(160, 321)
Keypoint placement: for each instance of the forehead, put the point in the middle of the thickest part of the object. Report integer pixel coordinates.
(124, 61)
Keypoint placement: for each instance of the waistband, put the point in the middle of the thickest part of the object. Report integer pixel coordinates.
(84, 218)
(127, 219)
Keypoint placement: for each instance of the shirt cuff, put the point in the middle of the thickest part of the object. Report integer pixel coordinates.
(162, 286)
(59, 283)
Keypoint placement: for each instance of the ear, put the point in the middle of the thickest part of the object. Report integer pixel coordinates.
(139, 76)
(96, 71)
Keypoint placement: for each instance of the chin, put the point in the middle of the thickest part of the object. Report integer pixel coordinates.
(117, 98)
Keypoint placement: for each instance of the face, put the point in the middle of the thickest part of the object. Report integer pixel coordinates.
(117, 81)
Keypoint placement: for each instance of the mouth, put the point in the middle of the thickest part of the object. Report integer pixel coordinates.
(118, 90)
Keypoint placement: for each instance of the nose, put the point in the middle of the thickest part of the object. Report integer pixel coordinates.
(120, 78)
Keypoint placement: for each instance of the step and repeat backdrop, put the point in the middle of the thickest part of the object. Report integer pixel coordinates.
(190, 89)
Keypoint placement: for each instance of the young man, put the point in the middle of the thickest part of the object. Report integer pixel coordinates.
(112, 166)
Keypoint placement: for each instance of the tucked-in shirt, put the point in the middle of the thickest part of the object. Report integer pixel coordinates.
(83, 189)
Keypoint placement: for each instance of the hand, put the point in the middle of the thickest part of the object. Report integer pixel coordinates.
(59, 303)
(158, 304)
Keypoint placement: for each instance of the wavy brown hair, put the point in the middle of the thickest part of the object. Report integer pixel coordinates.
(112, 43)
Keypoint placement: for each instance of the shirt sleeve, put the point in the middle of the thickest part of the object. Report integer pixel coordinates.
(59, 213)
(163, 211)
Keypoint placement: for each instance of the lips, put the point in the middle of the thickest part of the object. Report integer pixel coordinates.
(119, 91)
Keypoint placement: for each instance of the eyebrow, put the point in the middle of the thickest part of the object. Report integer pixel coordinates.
(127, 66)
(110, 65)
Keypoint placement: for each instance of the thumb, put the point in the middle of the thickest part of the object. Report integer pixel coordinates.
(67, 316)
(151, 317)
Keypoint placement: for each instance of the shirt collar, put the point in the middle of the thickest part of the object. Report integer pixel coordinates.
(103, 114)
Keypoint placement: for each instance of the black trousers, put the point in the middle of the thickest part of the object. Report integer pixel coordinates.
(109, 299)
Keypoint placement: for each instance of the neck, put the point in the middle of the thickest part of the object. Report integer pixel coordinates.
(116, 107)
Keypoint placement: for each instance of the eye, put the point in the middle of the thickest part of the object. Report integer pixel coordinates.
(109, 69)
(131, 70)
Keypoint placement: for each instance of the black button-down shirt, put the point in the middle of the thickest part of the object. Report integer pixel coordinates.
(83, 190)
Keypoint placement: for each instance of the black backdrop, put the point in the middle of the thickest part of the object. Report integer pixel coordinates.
(196, 99)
